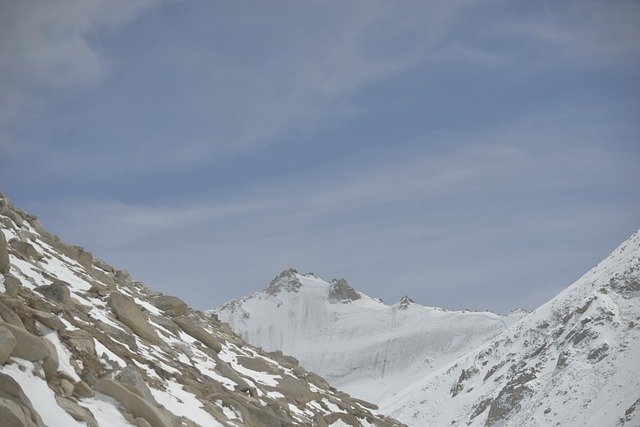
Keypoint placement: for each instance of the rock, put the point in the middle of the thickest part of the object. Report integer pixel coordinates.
(198, 333)
(28, 346)
(341, 291)
(26, 249)
(50, 363)
(67, 387)
(7, 344)
(124, 335)
(15, 406)
(11, 285)
(132, 379)
(4, 255)
(58, 291)
(141, 422)
(171, 305)
(10, 316)
(128, 312)
(82, 389)
(79, 413)
(132, 402)
(49, 320)
(80, 339)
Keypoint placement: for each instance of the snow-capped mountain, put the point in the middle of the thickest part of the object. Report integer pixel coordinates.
(81, 344)
(574, 361)
(356, 342)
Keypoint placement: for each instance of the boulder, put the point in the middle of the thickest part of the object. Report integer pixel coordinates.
(51, 362)
(49, 320)
(4, 255)
(124, 336)
(28, 346)
(82, 389)
(25, 248)
(7, 344)
(80, 339)
(11, 285)
(15, 406)
(128, 312)
(58, 291)
(132, 379)
(132, 402)
(10, 316)
(198, 333)
(171, 305)
(79, 413)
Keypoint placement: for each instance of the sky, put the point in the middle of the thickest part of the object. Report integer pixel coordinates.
(469, 154)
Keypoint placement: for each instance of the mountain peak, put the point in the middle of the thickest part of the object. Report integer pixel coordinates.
(405, 302)
(285, 281)
(341, 291)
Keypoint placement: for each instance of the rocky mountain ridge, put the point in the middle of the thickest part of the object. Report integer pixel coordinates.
(81, 343)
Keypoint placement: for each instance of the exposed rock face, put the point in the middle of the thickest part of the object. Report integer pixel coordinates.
(285, 281)
(73, 326)
(128, 312)
(341, 291)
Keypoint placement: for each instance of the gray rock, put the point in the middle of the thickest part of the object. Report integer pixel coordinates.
(11, 285)
(28, 346)
(26, 249)
(58, 291)
(171, 305)
(15, 407)
(79, 413)
(4, 255)
(132, 402)
(341, 291)
(49, 320)
(7, 344)
(10, 316)
(82, 389)
(198, 333)
(132, 379)
(80, 339)
(51, 362)
(128, 312)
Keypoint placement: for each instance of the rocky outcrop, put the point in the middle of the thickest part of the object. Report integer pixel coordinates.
(341, 291)
(128, 312)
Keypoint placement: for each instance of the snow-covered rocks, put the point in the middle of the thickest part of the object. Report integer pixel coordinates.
(92, 347)
(573, 361)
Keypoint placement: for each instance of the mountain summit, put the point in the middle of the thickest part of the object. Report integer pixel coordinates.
(360, 344)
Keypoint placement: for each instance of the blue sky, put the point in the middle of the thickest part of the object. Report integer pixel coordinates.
(469, 154)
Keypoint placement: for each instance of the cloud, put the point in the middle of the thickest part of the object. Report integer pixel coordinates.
(48, 45)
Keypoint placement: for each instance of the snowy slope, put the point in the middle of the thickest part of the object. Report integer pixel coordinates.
(356, 342)
(573, 361)
(83, 344)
